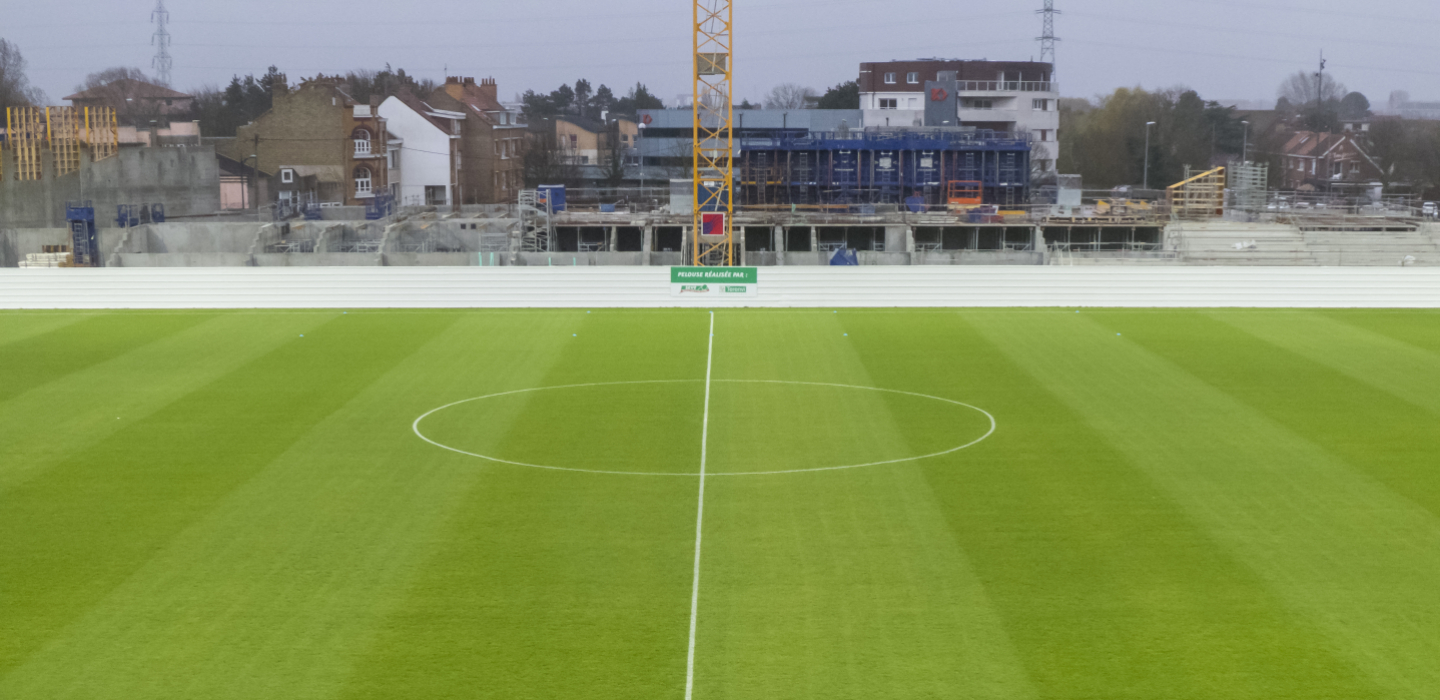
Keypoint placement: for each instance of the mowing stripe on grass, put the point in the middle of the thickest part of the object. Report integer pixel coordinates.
(80, 529)
(1358, 560)
(40, 359)
(73, 412)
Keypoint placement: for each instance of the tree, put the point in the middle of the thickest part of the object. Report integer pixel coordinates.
(1354, 106)
(221, 112)
(1105, 141)
(602, 102)
(846, 95)
(545, 163)
(788, 96)
(612, 159)
(637, 99)
(1301, 89)
(583, 96)
(15, 88)
(364, 84)
(123, 89)
(1318, 97)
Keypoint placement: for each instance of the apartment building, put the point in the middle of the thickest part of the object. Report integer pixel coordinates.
(492, 141)
(1006, 96)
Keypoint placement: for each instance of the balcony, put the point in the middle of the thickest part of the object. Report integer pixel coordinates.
(363, 148)
(1006, 86)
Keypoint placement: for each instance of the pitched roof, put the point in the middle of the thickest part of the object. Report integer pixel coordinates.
(422, 108)
(131, 87)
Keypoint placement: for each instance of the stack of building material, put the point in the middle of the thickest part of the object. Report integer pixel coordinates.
(46, 260)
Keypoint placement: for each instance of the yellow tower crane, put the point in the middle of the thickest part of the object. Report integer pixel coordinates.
(712, 232)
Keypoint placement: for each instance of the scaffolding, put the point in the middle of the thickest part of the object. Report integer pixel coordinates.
(537, 228)
(1199, 196)
(25, 129)
(101, 133)
(1248, 185)
(64, 128)
(713, 136)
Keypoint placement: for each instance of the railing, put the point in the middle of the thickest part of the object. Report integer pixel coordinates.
(362, 147)
(1007, 86)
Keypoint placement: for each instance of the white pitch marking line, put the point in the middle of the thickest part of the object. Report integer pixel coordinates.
(415, 426)
(699, 517)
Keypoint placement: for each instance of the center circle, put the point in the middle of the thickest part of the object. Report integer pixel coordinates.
(752, 427)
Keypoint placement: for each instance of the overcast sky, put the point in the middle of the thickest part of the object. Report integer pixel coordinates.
(1225, 49)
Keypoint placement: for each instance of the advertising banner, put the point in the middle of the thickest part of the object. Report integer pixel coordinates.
(714, 281)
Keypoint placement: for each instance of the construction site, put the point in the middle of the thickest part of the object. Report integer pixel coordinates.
(947, 189)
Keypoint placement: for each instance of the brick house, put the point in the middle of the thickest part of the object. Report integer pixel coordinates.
(1322, 161)
(491, 144)
(316, 143)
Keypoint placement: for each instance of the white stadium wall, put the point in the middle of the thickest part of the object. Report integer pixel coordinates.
(642, 287)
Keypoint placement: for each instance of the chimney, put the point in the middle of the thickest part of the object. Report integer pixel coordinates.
(454, 88)
(489, 89)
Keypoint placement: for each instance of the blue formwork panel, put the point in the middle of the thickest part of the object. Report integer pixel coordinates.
(882, 167)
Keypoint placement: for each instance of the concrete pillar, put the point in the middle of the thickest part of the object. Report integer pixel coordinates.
(779, 234)
(910, 244)
(614, 240)
(814, 239)
(895, 239)
(741, 243)
(647, 244)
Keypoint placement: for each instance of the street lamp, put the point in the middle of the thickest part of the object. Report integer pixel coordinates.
(1147, 153)
(1245, 148)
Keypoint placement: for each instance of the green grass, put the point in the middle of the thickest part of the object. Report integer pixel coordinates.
(1175, 504)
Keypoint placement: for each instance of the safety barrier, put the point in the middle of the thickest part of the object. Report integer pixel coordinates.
(650, 287)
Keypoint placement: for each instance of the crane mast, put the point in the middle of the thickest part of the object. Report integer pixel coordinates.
(712, 231)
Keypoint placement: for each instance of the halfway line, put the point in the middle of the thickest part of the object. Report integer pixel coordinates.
(699, 517)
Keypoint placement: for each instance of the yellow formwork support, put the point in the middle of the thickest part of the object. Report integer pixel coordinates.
(1199, 196)
(25, 127)
(101, 132)
(713, 139)
(63, 125)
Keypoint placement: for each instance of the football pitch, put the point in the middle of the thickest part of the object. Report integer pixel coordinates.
(815, 504)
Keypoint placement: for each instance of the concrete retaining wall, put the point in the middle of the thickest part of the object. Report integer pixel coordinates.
(186, 180)
(647, 287)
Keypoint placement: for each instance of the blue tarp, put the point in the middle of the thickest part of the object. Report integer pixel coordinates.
(844, 256)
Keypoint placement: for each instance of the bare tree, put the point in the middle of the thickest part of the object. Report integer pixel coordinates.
(788, 96)
(15, 89)
(1300, 89)
(124, 89)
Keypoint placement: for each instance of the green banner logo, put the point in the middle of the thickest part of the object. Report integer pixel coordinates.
(714, 275)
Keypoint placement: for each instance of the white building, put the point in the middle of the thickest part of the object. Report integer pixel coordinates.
(428, 159)
(1005, 96)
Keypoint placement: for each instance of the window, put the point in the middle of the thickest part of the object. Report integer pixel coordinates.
(979, 104)
(287, 176)
(362, 182)
(434, 195)
(1040, 105)
(887, 103)
(889, 78)
(392, 158)
(912, 78)
(362, 142)
(573, 139)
